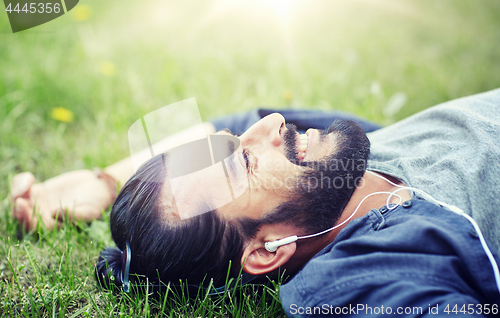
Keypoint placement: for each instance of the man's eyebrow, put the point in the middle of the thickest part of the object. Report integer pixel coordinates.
(232, 165)
(231, 162)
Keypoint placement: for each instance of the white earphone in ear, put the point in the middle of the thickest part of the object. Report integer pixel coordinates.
(273, 246)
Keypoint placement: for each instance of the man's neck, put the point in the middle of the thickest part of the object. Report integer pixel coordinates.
(306, 249)
(370, 184)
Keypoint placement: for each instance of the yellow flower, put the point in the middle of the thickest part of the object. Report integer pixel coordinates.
(288, 95)
(81, 12)
(107, 68)
(62, 114)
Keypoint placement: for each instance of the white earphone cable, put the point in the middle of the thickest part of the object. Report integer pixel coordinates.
(458, 211)
(272, 246)
(350, 217)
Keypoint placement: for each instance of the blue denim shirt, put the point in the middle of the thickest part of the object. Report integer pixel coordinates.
(412, 261)
(302, 119)
(423, 259)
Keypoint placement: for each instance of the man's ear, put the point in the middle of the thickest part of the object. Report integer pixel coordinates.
(256, 260)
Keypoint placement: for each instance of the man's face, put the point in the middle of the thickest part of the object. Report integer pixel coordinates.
(269, 159)
(275, 167)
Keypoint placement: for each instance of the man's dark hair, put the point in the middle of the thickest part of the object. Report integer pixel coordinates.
(201, 248)
(197, 249)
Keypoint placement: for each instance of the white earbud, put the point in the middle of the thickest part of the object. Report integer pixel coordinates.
(273, 246)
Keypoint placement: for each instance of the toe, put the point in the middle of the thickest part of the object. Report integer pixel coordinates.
(23, 211)
(21, 185)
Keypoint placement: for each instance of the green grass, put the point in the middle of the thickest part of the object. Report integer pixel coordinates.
(347, 55)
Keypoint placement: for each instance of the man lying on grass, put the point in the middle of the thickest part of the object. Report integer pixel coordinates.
(333, 209)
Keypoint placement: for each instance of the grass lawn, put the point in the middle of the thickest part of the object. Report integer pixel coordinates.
(110, 62)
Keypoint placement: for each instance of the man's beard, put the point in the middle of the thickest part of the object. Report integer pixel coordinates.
(321, 194)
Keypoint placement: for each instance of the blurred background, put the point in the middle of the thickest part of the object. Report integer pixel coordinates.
(71, 88)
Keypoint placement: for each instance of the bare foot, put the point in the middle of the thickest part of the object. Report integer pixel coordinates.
(21, 196)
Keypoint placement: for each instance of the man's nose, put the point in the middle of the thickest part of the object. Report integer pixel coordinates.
(266, 130)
